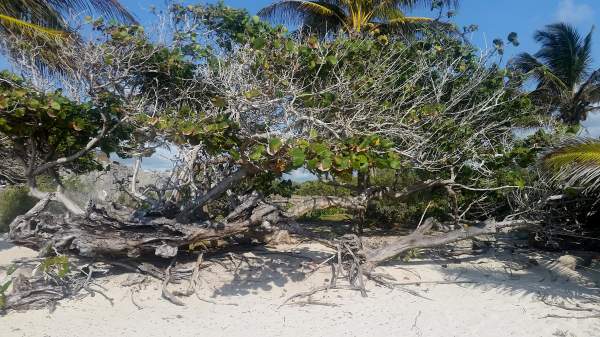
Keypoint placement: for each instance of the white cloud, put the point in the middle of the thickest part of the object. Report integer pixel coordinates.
(592, 125)
(572, 12)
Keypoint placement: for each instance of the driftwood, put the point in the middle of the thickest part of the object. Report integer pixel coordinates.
(419, 239)
(118, 233)
(35, 294)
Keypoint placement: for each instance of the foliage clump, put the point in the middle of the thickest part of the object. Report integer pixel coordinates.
(14, 201)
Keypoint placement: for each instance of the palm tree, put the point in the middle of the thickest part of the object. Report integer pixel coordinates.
(576, 162)
(47, 18)
(44, 22)
(562, 71)
(353, 16)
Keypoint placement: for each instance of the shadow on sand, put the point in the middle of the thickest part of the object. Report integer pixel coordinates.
(510, 268)
(4, 243)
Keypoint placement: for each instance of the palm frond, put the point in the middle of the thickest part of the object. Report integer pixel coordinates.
(590, 89)
(575, 162)
(564, 52)
(411, 4)
(41, 25)
(393, 19)
(584, 54)
(387, 13)
(547, 80)
(50, 13)
(410, 20)
(309, 13)
(109, 8)
(21, 27)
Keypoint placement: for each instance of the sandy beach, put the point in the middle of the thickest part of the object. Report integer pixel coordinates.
(504, 296)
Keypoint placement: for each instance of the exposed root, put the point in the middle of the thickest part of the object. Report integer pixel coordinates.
(563, 306)
(316, 290)
(418, 283)
(346, 265)
(166, 294)
(572, 317)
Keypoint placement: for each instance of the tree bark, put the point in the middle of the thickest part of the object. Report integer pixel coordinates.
(305, 205)
(214, 193)
(114, 233)
(59, 196)
(418, 239)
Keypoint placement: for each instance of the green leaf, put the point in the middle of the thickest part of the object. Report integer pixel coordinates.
(313, 134)
(289, 45)
(312, 164)
(298, 157)
(395, 164)
(325, 165)
(4, 287)
(360, 162)
(331, 59)
(259, 43)
(252, 94)
(341, 163)
(386, 143)
(257, 153)
(55, 105)
(20, 92)
(274, 145)
(320, 149)
(234, 154)
(219, 102)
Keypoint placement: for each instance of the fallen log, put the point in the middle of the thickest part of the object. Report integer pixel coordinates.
(116, 232)
(419, 239)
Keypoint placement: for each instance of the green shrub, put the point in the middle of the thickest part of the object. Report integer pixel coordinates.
(330, 214)
(14, 201)
(316, 187)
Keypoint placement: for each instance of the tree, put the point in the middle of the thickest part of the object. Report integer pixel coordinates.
(561, 69)
(47, 18)
(45, 24)
(46, 134)
(352, 16)
(242, 116)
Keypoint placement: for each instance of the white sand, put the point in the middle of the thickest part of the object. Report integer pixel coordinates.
(497, 305)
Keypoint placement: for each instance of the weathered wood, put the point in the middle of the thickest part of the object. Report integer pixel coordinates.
(33, 294)
(110, 233)
(305, 205)
(418, 239)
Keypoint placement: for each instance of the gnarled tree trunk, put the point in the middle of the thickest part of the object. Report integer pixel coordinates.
(117, 232)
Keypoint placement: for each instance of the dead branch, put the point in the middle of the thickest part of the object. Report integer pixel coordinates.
(418, 239)
(166, 294)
